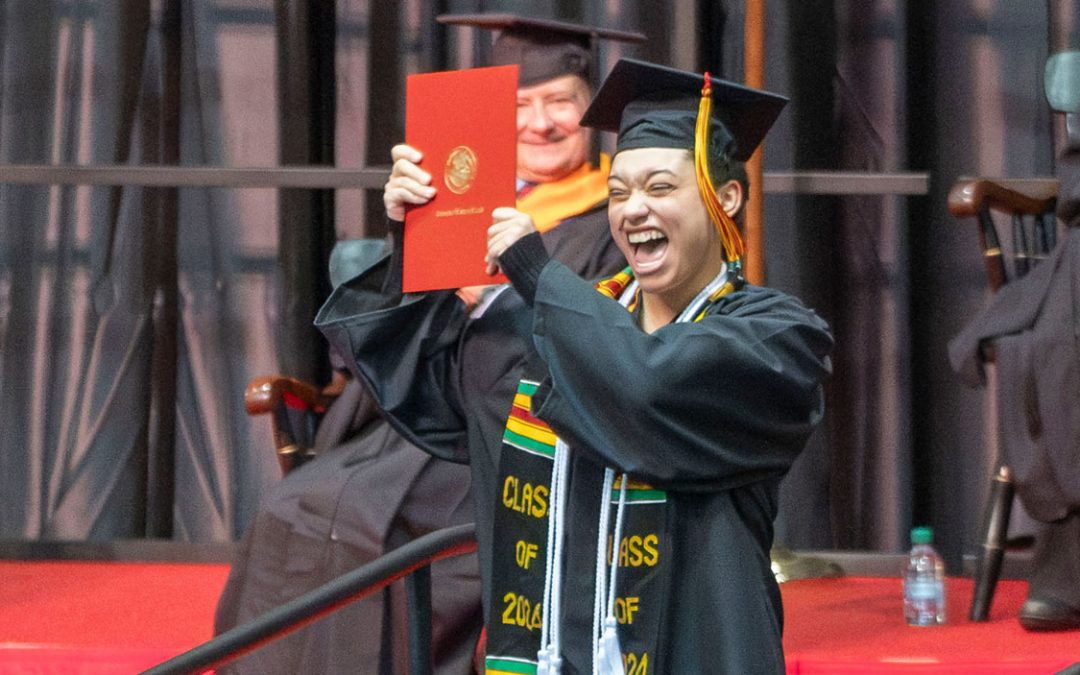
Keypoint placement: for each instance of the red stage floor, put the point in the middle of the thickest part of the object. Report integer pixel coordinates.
(106, 618)
(102, 618)
(856, 625)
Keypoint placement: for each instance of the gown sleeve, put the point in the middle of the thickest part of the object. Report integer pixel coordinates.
(422, 355)
(404, 347)
(709, 405)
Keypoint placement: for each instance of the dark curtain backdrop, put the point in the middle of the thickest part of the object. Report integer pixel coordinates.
(132, 318)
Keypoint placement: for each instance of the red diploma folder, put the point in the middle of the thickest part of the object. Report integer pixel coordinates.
(465, 123)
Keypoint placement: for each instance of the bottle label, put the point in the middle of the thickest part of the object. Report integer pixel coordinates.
(923, 590)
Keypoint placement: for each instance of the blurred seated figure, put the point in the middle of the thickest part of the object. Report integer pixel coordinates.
(1033, 326)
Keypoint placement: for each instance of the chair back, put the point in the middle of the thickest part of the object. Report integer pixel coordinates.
(1016, 218)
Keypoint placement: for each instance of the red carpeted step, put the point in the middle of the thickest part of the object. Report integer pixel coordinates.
(103, 617)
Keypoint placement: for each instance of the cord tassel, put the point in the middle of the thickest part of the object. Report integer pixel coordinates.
(608, 658)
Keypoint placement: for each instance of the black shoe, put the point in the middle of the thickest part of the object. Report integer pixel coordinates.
(1045, 614)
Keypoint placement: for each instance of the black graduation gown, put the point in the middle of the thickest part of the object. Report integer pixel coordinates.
(714, 411)
(1034, 324)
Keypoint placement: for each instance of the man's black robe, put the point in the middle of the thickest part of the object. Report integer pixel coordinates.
(1034, 325)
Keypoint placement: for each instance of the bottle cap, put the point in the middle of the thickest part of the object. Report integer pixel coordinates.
(922, 535)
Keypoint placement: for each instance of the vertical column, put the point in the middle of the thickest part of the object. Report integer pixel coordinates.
(306, 103)
(432, 36)
(754, 45)
(161, 441)
(386, 91)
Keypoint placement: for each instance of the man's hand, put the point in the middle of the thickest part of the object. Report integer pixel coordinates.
(508, 225)
(408, 183)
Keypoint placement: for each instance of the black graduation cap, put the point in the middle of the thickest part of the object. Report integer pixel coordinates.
(651, 106)
(542, 49)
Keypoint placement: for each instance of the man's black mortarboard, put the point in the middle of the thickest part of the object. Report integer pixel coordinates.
(542, 49)
(652, 106)
(655, 106)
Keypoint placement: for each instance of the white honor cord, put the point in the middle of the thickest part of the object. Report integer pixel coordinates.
(607, 657)
(628, 293)
(607, 654)
(702, 297)
(602, 531)
(543, 657)
(695, 305)
(556, 578)
(601, 560)
(549, 661)
(617, 544)
(599, 599)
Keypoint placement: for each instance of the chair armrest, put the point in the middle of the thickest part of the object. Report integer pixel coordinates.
(295, 408)
(264, 394)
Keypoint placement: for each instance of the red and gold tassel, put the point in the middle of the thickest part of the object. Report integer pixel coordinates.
(729, 232)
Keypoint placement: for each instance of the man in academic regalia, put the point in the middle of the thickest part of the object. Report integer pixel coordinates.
(1034, 324)
(369, 489)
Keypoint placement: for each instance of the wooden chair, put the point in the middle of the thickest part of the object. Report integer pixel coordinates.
(295, 409)
(1028, 206)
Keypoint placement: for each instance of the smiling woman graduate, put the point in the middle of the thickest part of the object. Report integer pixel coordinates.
(661, 412)
(657, 411)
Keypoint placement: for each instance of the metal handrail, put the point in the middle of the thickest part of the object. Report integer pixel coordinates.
(159, 175)
(411, 559)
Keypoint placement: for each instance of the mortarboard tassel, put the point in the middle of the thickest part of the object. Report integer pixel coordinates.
(729, 232)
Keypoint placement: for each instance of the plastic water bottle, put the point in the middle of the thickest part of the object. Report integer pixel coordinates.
(924, 581)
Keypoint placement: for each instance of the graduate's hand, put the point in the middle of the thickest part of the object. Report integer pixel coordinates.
(408, 183)
(508, 225)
